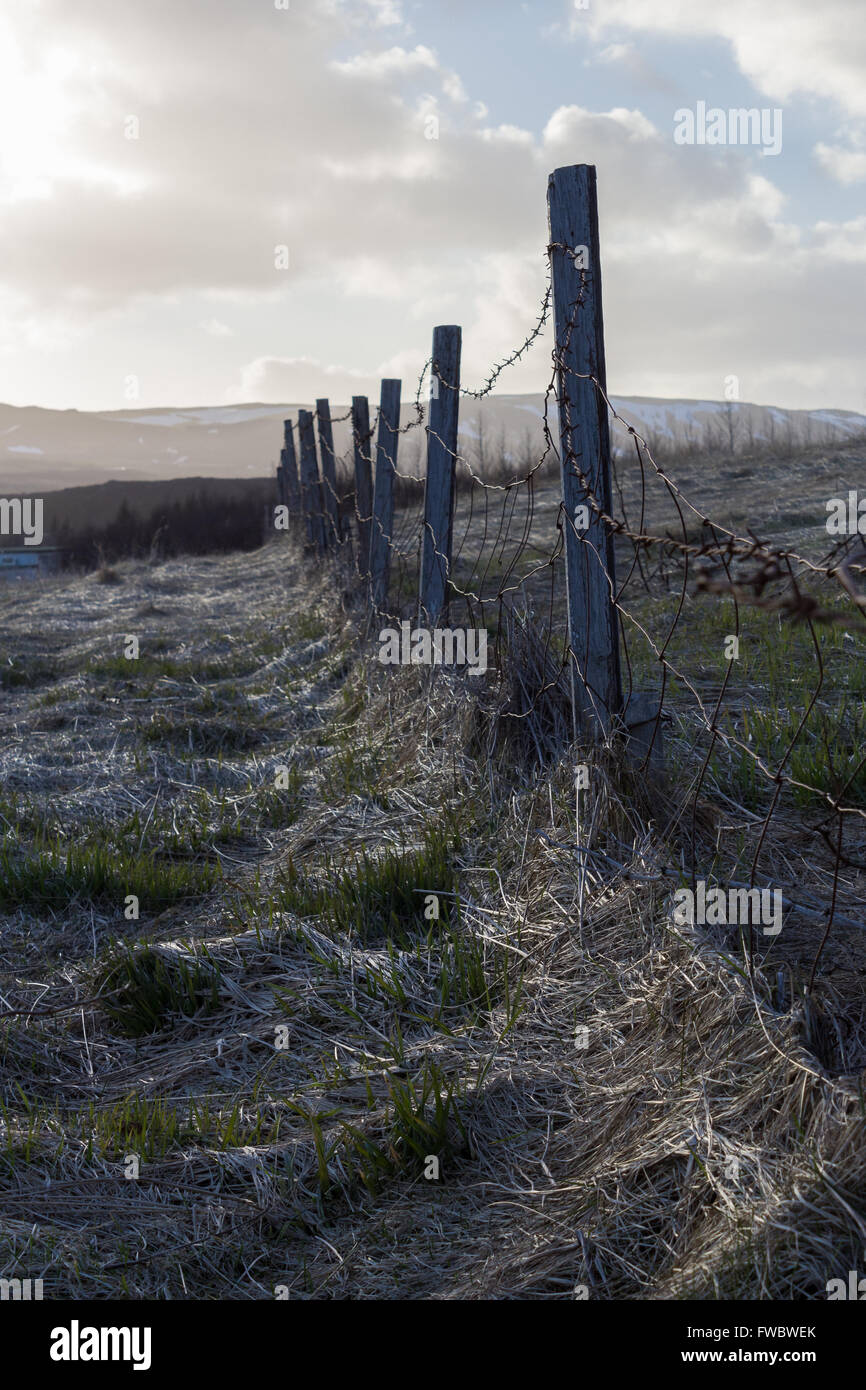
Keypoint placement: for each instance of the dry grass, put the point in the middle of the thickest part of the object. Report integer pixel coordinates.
(283, 1079)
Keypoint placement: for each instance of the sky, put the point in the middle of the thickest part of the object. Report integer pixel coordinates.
(213, 201)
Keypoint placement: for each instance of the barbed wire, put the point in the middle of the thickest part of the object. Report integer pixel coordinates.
(506, 567)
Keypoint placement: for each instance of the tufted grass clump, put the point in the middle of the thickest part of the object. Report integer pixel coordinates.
(144, 990)
(373, 897)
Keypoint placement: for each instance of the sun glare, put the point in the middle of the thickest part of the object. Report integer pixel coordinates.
(49, 105)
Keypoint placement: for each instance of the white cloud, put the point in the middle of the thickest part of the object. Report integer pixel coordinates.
(766, 198)
(217, 329)
(567, 121)
(385, 12)
(375, 67)
(844, 243)
(508, 135)
(615, 53)
(385, 166)
(784, 46)
(287, 379)
(453, 88)
(846, 166)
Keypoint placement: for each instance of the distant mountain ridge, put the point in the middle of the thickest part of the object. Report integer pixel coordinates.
(44, 450)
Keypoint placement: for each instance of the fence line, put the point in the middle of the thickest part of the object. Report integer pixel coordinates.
(591, 580)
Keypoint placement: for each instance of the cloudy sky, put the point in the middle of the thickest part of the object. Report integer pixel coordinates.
(154, 155)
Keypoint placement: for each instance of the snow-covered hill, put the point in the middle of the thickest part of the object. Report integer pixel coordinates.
(47, 449)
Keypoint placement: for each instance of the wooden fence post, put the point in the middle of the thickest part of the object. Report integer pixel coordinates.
(584, 446)
(281, 481)
(290, 470)
(439, 487)
(311, 492)
(363, 478)
(383, 494)
(329, 470)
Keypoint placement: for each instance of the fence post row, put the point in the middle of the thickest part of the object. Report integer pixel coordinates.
(439, 487)
(329, 470)
(584, 446)
(311, 492)
(584, 459)
(290, 470)
(363, 479)
(382, 526)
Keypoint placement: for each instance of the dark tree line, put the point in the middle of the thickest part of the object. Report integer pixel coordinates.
(195, 525)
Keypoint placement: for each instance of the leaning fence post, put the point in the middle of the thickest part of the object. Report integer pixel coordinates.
(439, 487)
(281, 481)
(311, 493)
(329, 469)
(290, 470)
(383, 493)
(584, 446)
(363, 478)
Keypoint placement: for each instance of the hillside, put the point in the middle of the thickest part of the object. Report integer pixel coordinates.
(46, 450)
(238, 1094)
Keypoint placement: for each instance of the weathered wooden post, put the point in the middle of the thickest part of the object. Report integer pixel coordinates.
(311, 492)
(281, 481)
(382, 525)
(439, 487)
(289, 463)
(363, 478)
(584, 446)
(329, 470)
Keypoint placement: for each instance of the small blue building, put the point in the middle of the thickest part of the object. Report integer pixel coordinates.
(29, 561)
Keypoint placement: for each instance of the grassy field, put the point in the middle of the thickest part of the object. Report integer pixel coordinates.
(313, 985)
